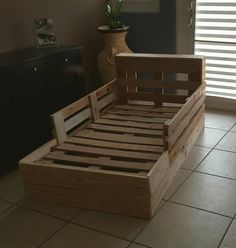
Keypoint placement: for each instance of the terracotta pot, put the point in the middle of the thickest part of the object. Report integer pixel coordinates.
(114, 43)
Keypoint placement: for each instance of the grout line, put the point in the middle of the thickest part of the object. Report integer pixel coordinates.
(218, 149)
(202, 209)
(214, 175)
(227, 229)
(100, 231)
(52, 235)
(42, 212)
(133, 240)
(4, 211)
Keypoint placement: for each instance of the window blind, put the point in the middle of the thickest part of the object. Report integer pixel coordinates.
(215, 38)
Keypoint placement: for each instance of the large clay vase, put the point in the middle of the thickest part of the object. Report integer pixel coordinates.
(114, 43)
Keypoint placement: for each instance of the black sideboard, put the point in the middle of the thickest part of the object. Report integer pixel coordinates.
(35, 82)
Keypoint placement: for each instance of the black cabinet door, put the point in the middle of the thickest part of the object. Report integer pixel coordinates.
(65, 83)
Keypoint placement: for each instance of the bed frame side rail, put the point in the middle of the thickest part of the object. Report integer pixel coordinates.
(80, 113)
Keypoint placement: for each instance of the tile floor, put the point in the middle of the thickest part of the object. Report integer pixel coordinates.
(198, 210)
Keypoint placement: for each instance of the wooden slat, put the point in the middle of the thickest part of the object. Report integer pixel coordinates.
(77, 119)
(173, 136)
(107, 152)
(39, 153)
(130, 124)
(148, 109)
(100, 162)
(134, 118)
(59, 127)
(159, 63)
(124, 129)
(180, 143)
(94, 105)
(117, 145)
(106, 100)
(152, 97)
(155, 84)
(172, 124)
(140, 113)
(104, 90)
(75, 107)
(124, 138)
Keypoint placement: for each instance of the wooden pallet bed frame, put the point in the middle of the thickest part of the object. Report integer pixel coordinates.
(119, 148)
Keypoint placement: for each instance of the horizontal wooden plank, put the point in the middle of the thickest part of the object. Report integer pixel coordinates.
(159, 63)
(123, 138)
(107, 152)
(155, 84)
(77, 119)
(140, 113)
(173, 136)
(104, 90)
(124, 123)
(181, 142)
(106, 100)
(173, 123)
(152, 97)
(148, 108)
(124, 129)
(117, 145)
(100, 162)
(75, 107)
(134, 118)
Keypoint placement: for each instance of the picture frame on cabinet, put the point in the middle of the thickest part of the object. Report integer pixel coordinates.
(45, 31)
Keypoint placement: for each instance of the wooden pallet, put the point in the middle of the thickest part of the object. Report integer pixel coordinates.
(119, 148)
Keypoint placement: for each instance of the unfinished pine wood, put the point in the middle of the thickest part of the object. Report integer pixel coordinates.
(157, 84)
(114, 155)
(124, 129)
(139, 113)
(123, 123)
(117, 145)
(107, 152)
(164, 110)
(124, 138)
(134, 118)
(99, 161)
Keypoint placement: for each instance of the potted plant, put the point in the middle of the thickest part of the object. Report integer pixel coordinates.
(114, 34)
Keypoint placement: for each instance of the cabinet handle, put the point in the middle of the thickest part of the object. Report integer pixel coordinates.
(35, 69)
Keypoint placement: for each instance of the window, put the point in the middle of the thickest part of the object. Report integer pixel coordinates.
(141, 6)
(215, 38)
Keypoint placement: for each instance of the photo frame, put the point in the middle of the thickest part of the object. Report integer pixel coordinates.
(45, 31)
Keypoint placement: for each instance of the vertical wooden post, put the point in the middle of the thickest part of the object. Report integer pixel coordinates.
(94, 105)
(59, 127)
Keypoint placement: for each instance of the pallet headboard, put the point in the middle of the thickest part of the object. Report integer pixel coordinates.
(159, 78)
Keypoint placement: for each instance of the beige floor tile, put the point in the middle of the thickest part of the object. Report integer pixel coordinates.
(228, 143)
(118, 225)
(72, 236)
(210, 137)
(208, 192)
(11, 187)
(195, 156)
(51, 209)
(229, 240)
(178, 180)
(137, 246)
(233, 129)
(220, 119)
(4, 205)
(184, 227)
(20, 227)
(220, 163)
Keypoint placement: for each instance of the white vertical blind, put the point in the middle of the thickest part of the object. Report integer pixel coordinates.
(215, 38)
